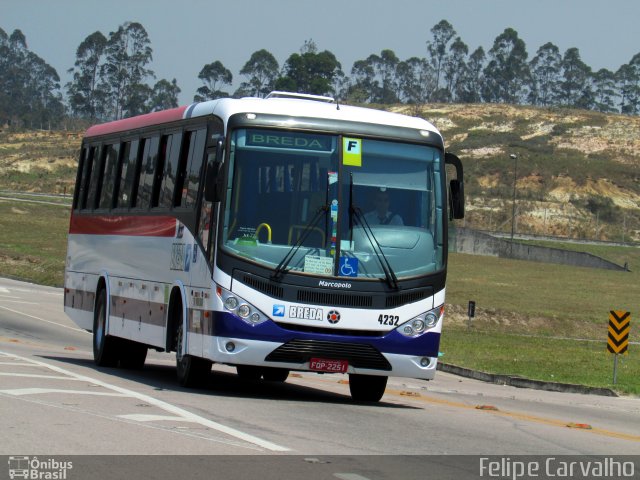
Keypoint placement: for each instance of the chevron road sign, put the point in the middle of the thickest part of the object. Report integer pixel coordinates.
(618, 339)
(619, 326)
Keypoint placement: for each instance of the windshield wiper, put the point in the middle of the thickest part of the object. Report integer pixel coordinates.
(389, 274)
(281, 268)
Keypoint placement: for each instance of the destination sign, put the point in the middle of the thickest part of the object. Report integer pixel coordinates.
(288, 140)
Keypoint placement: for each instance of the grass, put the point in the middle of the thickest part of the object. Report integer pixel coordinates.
(542, 358)
(556, 292)
(33, 241)
(522, 306)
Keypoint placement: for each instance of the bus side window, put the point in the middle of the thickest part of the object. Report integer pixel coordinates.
(147, 172)
(77, 192)
(95, 182)
(195, 159)
(109, 179)
(127, 173)
(86, 177)
(170, 157)
(182, 167)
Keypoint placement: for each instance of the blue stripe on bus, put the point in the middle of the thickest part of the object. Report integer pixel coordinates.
(227, 325)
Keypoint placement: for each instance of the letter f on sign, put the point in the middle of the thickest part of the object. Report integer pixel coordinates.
(352, 152)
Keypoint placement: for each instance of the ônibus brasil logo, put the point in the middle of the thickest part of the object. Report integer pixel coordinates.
(27, 467)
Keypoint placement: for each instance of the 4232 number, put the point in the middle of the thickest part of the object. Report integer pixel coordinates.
(389, 320)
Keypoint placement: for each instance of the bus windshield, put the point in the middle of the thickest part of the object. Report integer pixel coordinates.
(334, 206)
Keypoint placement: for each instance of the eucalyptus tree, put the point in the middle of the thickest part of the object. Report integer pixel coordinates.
(261, 71)
(364, 86)
(469, 85)
(214, 76)
(575, 84)
(29, 86)
(546, 71)
(127, 53)
(85, 97)
(416, 79)
(628, 85)
(507, 72)
(453, 68)
(310, 71)
(164, 95)
(604, 86)
(438, 47)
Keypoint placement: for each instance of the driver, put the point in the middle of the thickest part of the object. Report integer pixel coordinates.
(382, 215)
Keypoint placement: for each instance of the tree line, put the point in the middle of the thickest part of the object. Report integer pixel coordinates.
(112, 78)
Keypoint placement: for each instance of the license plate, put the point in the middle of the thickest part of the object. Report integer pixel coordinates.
(327, 365)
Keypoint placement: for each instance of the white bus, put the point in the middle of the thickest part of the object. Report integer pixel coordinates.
(244, 232)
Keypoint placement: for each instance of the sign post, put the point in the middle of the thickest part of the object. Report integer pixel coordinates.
(471, 312)
(618, 337)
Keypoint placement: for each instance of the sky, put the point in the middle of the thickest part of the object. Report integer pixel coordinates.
(187, 34)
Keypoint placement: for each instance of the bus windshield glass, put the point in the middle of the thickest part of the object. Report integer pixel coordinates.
(334, 206)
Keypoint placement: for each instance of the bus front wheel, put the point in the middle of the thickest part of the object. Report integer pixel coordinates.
(105, 347)
(192, 371)
(367, 388)
(133, 355)
(271, 374)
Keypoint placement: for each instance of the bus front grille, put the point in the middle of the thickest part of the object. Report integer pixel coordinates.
(334, 299)
(358, 355)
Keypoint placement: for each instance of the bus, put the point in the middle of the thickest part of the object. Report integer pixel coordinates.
(239, 232)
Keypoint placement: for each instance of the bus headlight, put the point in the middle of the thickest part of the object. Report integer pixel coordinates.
(420, 324)
(240, 307)
(244, 310)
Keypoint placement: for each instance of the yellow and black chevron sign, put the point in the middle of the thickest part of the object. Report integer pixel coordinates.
(619, 326)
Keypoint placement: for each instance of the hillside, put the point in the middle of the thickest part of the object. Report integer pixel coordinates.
(578, 171)
(39, 161)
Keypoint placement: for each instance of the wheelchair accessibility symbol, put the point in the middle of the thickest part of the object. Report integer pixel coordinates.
(348, 267)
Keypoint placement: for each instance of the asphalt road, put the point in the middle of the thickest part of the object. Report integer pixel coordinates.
(55, 401)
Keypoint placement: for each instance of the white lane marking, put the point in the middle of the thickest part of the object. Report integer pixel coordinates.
(43, 320)
(349, 476)
(18, 301)
(39, 291)
(162, 428)
(38, 391)
(32, 375)
(141, 417)
(18, 364)
(167, 407)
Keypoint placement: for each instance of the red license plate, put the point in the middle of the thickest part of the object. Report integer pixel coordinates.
(327, 365)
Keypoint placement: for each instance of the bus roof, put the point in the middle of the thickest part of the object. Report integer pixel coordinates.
(303, 106)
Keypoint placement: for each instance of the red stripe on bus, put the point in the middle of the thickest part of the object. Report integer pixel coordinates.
(140, 121)
(123, 225)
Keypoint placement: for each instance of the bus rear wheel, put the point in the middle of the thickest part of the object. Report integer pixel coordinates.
(192, 371)
(367, 388)
(105, 347)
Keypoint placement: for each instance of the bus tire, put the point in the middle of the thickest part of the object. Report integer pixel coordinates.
(249, 372)
(133, 355)
(271, 374)
(105, 347)
(192, 371)
(367, 388)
